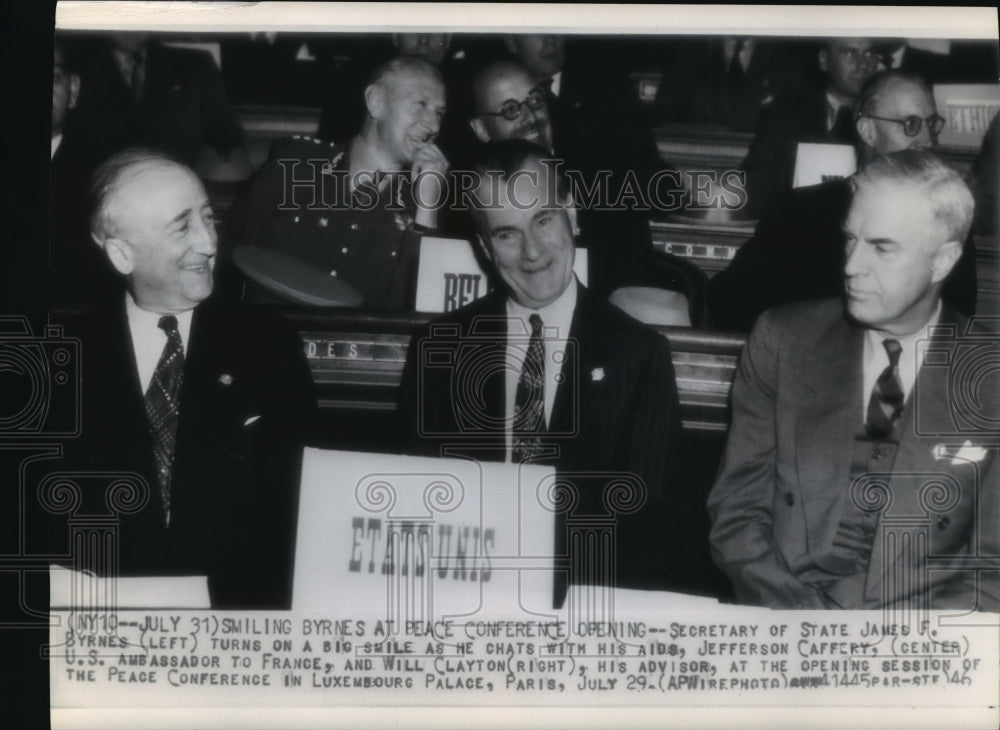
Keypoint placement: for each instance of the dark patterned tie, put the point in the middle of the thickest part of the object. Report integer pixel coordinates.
(529, 400)
(886, 402)
(843, 125)
(162, 406)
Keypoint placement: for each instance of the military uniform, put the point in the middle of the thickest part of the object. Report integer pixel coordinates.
(300, 203)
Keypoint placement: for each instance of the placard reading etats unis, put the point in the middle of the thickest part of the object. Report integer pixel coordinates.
(419, 538)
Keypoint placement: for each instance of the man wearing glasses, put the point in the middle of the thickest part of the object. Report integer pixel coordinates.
(510, 103)
(797, 250)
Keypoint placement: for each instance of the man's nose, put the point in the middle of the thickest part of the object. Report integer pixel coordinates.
(532, 247)
(205, 238)
(854, 260)
(924, 139)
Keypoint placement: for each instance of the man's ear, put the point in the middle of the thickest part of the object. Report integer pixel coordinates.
(479, 129)
(866, 130)
(944, 260)
(119, 253)
(824, 59)
(375, 100)
(571, 211)
(74, 90)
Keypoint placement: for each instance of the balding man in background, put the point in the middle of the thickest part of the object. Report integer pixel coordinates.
(848, 415)
(353, 210)
(208, 405)
(797, 250)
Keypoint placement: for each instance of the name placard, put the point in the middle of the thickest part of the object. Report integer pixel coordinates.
(449, 276)
(968, 110)
(819, 163)
(419, 537)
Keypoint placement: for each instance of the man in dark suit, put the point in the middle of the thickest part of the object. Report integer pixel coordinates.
(858, 471)
(727, 81)
(543, 371)
(206, 407)
(79, 275)
(822, 116)
(136, 91)
(509, 103)
(796, 252)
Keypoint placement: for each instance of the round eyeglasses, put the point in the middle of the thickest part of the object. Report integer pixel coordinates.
(913, 124)
(511, 109)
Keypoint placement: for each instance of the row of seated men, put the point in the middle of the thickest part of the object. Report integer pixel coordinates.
(844, 425)
(299, 205)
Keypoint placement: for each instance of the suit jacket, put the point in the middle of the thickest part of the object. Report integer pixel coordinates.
(695, 88)
(797, 253)
(184, 106)
(770, 160)
(785, 479)
(616, 411)
(245, 405)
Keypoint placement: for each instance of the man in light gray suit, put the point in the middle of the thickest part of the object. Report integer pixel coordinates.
(861, 467)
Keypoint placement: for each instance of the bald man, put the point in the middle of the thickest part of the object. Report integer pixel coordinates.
(356, 210)
(202, 409)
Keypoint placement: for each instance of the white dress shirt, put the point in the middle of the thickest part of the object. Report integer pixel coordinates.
(148, 340)
(556, 83)
(56, 141)
(556, 320)
(911, 358)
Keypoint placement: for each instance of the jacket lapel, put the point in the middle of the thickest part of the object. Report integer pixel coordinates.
(827, 419)
(926, 422)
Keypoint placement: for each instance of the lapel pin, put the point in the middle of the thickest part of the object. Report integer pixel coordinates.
(226, 379)
(597, 375)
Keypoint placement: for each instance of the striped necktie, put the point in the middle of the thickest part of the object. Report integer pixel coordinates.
(162, 407)
(529, 399)
(886, 402)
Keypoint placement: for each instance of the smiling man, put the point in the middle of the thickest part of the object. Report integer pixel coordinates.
(204, 408)
(852, 477)
(543, 371)
(355, 210)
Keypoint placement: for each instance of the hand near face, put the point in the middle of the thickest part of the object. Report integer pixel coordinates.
(427, 175)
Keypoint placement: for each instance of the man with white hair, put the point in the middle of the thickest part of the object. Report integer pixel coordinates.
(355, 210)
(861, 467)
(204, 407)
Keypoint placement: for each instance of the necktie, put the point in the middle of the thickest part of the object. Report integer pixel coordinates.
(886, 402)
(529, 400)
(843, 125)
(162, 406)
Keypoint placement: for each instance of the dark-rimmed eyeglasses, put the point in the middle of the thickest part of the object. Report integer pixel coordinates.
(511, 109)
(913, 124)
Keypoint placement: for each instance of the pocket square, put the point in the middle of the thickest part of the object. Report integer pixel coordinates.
(251, 420)
(597, 375)
(966, 452)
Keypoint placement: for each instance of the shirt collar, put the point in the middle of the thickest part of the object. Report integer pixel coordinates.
(56, 141)
(555, 314)
(142, 320)
(907, 342)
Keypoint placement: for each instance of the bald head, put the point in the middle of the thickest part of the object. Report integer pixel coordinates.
(506, 85)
